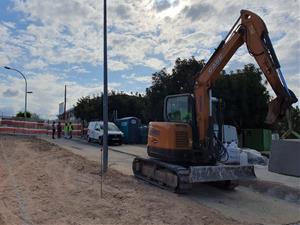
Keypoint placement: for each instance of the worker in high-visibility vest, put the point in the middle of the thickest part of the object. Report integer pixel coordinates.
(70, 130)
(66, 130)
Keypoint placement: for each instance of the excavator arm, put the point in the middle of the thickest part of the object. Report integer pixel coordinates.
(249, 29)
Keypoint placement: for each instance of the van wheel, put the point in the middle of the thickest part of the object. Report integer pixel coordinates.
(100, 141)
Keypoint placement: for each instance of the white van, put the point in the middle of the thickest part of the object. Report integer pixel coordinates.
(95, 133)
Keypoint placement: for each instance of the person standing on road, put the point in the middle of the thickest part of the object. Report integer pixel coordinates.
(53, 130)
(66, 130)
(59, 130)
(70, 130)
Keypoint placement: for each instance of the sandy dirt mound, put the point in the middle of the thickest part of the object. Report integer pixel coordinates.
(41, 183)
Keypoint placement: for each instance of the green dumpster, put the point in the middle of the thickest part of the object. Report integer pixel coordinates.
(258, 139)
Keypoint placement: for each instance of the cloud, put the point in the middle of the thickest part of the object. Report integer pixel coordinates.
(7, 111)
(10, 93)
(65, 36)
(114, 65)
(48, 92)
(36, 64)
(77, 69)
(61, 31)
(199, 11)
(134, 77)
(70, 31)
(8, 50)
(154, 63)
(160, 5)
(123, 11)
(71, 13)
(9, 25)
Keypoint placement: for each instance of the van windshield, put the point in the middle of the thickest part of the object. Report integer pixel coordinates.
(111, 127)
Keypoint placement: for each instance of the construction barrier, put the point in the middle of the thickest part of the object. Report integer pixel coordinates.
(35, 128)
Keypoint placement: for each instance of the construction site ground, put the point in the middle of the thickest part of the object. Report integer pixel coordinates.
(45, 181)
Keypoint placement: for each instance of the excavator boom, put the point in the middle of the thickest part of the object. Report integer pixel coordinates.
(252, 31)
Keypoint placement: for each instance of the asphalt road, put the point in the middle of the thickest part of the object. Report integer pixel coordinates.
(243, 204)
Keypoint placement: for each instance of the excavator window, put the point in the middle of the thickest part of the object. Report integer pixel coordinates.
(178, 108)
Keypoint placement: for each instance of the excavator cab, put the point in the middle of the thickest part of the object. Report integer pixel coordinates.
(176, 140)
(181, 109)
(173, 140)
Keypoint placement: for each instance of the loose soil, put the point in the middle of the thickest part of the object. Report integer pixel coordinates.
(41, 183)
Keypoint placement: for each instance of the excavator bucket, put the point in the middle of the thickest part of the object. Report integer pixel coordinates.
(279, 106)
(274, 111)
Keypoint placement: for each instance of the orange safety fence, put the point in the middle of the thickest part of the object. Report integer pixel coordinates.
(34, 128)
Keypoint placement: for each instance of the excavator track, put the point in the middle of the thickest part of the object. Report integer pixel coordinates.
(166, 176)
(179, 179)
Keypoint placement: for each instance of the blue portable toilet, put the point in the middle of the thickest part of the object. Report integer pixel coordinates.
(130, 127)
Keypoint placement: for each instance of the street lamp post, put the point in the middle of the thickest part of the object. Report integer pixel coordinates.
(105, 98)
(9, 68)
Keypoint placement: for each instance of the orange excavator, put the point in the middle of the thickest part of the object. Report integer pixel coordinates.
(185, 149)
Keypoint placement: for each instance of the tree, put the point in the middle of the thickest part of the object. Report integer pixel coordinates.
(22, 114)
(245, 97)
(181, 80)
(35, 116)
(90, 108)
(243, 92)
(127, 105)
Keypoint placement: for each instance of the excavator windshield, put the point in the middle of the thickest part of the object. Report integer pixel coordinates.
(178, 108)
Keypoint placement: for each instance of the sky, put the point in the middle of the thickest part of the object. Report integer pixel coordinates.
(59, 42)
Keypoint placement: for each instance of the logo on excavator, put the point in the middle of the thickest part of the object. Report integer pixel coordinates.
(216, 63)
(154, 132)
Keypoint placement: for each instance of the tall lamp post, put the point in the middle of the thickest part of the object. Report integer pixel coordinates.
(26, 92)
(105, 98)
